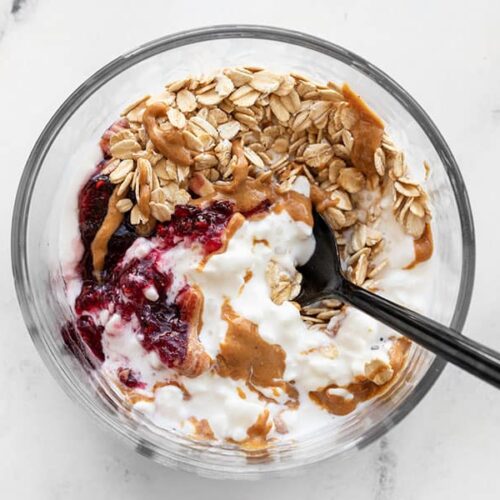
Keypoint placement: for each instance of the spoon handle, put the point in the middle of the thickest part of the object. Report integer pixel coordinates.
(451, 345)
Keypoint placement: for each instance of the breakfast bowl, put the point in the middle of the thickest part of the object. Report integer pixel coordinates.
(55, 170)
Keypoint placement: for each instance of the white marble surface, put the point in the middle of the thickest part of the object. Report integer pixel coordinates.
(447, 56)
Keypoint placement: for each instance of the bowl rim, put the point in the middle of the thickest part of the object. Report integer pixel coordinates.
(228, 31)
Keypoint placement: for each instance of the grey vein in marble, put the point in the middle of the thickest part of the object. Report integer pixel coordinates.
(12, 10)
(17, 5)
(386, 468)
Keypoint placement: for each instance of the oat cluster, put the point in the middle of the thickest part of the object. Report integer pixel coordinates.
(288, 126)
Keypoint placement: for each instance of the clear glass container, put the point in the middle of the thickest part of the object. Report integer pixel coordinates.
(48, 183)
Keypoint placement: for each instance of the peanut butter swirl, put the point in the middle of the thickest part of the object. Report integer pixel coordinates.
(424, 247)
(197, 360)
(257, 434)
(170, 142)
(202, 429)
(248, 193)
(367, 131)
(360, 390)
(245, 355)
(110, 224)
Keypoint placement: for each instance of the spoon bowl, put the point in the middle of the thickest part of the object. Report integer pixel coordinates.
(322, 274)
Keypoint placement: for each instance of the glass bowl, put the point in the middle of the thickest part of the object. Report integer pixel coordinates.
(54, 170)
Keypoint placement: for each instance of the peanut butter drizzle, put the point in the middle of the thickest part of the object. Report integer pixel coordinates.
(245, 355)
(247, 193)
(248, 276)
(361, 390)
(234, 224)
(321, 199)
(297, 205)
(258, 241)
(134, 397)
(367, 132)
(170, 143)
(186, 395)
(257, 434)
(110, 224)
(246, 279)
(197, 360)
(424, 247)
(202, 429)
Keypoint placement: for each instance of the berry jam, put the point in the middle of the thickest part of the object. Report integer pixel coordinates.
(192, 223)
(138, 288)
(130, 378)
(91, 334)
(93, 206)
(74, 343)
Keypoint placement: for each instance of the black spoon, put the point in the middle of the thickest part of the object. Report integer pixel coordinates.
(323, 278)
